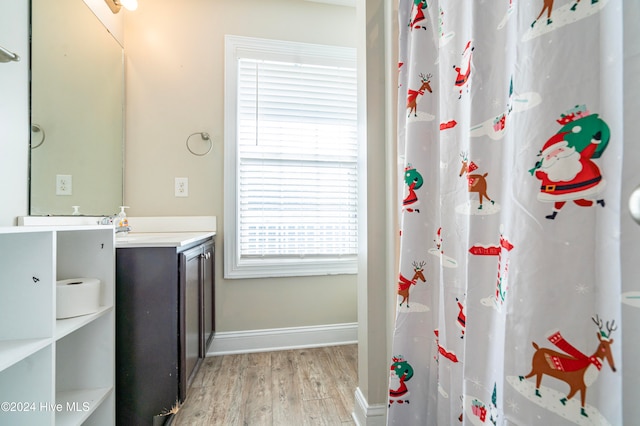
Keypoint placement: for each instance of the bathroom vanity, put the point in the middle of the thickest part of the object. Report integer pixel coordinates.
(164, 319)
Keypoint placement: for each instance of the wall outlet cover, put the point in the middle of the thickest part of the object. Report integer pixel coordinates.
(64, 185)
(182, 187)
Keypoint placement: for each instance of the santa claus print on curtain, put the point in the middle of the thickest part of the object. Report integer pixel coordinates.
(566, 168)
(400, 373)
(414, 181)
(507, 229)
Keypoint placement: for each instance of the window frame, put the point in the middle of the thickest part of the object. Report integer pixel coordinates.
(235, 267)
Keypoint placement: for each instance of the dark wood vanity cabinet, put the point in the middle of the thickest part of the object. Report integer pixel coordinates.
(164, 325)
(197, 323)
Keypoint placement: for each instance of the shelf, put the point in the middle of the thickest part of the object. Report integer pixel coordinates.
(13, 351)
(69, 325)
(78, 405)
(30, 382)
(66, 366)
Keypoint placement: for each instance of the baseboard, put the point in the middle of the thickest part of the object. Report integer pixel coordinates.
(368, 415)
(283, 338)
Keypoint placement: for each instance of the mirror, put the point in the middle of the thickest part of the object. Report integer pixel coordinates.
(77, 107)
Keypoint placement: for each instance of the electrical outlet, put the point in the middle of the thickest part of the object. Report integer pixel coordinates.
(63, 185)
(182, 187)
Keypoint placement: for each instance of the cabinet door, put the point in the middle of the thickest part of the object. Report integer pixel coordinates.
(208, 281)
(148, 357)
(190, 314)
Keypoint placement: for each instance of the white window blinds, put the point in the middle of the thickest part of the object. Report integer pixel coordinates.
(297, 148)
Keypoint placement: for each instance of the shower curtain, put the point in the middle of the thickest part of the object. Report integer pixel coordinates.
(509, 146)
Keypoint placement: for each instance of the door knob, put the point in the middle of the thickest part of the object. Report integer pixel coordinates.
(634, 204)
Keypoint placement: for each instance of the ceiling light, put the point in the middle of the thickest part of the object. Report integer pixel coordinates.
(115, 5)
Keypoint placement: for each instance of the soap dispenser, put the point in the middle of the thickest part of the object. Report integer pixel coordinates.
(122, 223)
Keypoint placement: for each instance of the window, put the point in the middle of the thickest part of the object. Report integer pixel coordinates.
(291, 185)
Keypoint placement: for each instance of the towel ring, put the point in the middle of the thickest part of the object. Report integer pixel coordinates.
(35, 128)
(205, 137)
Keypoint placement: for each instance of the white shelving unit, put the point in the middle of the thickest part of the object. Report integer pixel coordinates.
(55, 372)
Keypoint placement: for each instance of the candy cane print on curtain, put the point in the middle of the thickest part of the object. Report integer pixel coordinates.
(509, 139)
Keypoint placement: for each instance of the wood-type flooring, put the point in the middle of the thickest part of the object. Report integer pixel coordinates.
(312, 386)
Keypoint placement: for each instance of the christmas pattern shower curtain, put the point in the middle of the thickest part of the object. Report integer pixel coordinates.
(509, 147)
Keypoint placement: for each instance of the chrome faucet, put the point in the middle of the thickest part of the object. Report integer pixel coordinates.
(109, 220)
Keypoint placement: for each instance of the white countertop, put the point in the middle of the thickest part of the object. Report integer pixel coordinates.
(161, 239)
(154, 231)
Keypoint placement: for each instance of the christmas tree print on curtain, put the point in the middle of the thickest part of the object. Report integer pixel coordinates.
(445, 36)
(478, 412)
(509, 157)
(496, 127)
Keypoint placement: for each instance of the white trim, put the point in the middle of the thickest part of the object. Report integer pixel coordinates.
(231, 250)
(58, 220)
(138, 224)
(368, 415)
(236, 47)
(275, 339)
(300, 267)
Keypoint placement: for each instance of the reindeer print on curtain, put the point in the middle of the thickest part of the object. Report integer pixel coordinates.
(509, 146)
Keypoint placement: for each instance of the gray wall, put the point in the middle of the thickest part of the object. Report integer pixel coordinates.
(175, 87)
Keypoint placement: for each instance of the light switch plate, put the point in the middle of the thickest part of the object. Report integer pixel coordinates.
(182, 187)
(63, 185)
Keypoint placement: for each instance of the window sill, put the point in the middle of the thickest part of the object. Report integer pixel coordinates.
(270, 268)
